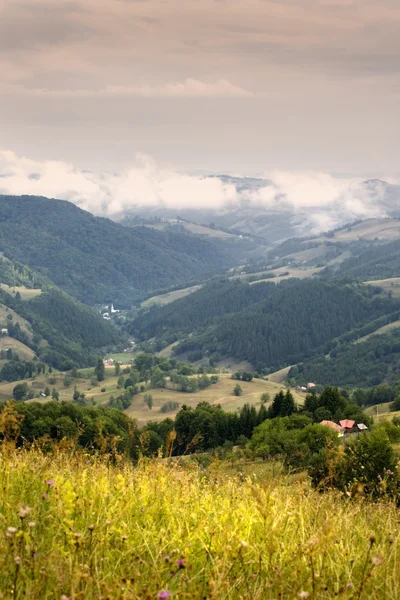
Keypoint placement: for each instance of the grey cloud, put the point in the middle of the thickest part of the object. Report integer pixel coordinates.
(24, 26)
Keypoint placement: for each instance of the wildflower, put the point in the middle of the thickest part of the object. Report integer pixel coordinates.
(163, 595)
(18, 560)
(49, 482)
(304, 595)
(11, 531)
(181, 563)
(44, 496)
(31, 524)
(377, 560)
(24, 511)
(379, 476)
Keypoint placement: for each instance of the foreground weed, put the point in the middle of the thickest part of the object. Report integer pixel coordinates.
(77, 526)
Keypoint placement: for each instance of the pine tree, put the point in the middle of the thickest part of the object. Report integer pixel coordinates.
(288, 405)
(276, 407)
(100, 370)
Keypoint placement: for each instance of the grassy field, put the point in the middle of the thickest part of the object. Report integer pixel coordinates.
(285, 273)
(389, 285)
(381, 412)
(24, 352)
(220, 393)
(5, 312)
(76, 526)
(380, 331)
(170, 296)
(26, 293)
(124, 358)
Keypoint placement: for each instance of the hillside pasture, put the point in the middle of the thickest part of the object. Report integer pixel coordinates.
(170, 296)
(9, 343)
(16, 318)
(220, 393)
(380, 331)
(388, 285)
(26, 293)
(284, 273)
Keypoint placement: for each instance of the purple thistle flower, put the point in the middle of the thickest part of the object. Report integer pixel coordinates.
(181, 563)
(49, 482)
(379, 476)
(163, 595)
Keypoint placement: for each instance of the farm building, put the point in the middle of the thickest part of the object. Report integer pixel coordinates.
(348, 425)
(362, 427)
(339, 430)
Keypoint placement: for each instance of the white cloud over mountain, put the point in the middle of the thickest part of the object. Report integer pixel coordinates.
(324, 201)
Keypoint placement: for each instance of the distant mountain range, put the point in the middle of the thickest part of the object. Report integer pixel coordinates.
(280, 218)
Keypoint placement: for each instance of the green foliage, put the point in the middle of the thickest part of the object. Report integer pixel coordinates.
(20, 391)
(208, 426)
(237, 390)
(330, 405)
(100, 370)
(148, 400)
(366, 466)
(90, 427)
(265, 398)
(169, 406)
(283, 405)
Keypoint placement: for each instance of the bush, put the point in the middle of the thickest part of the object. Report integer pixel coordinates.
(169, 406)
(367, 465)
(237, 390)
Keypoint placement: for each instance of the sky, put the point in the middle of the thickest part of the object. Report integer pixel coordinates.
(115, 101)
(243, 86)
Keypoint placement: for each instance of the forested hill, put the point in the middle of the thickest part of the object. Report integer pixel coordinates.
(97, 260)
(366, 364)
(269, 325)
(61, 331)
(378, 261)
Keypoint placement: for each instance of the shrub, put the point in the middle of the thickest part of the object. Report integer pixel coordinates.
(169, 406)
(237, 390)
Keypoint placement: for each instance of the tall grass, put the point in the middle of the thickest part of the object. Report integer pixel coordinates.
(76, 526)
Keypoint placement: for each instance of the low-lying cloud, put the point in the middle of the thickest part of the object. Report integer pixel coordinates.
(322, 200)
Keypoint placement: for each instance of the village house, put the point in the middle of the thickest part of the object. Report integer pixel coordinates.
(348, 425)
(339, 430)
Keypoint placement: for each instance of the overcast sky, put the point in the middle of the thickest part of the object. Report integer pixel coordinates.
(240, 86)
